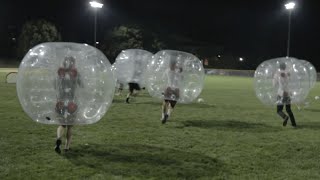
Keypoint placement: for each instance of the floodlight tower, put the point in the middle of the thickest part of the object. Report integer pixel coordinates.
(290, 7)
(95, 5)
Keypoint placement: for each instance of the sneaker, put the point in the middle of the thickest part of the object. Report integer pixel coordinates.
(294, 125)
(127, 100)
(57, 148)
(164, 120)
(285, 121)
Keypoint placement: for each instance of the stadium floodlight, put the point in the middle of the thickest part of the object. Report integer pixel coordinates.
(96, 5)
(289, 6)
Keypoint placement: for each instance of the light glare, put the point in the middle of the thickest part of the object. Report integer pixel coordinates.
(290, 5)
(95, 4)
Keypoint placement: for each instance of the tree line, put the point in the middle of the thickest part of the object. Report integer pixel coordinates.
(129, 36)
(120, 37)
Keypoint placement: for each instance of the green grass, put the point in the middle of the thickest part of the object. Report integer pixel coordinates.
(229, 136)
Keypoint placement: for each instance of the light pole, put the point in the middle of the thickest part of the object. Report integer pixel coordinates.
(289, 6)
(95, 5)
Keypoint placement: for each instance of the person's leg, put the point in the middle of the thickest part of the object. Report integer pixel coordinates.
(171, 107)
(136, 89)
(130, 92)
(292, 119)
(128, 96)
(165, 108)
(282, 114)
(60, 131)
(69, 138)
(166, 104)
(173, 102)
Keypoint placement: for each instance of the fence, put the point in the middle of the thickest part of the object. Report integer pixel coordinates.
(232, 72)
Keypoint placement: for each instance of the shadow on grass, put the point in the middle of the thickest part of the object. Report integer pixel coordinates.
(231, 125)
(118, 100)
(150, 103)
(145, 161)
(159, 103)
(141, 95)
(309, 125)
(199, 105)
(313, 110)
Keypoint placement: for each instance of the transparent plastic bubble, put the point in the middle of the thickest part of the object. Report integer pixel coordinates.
(65, 83)
(312, 73)
(306, 104)
(118, 84)
(113, 71)
(130, 66)
(281, 81)
(175, 75)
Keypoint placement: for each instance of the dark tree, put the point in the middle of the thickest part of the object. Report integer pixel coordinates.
(36, 32)
(130, 37)
(120, 38)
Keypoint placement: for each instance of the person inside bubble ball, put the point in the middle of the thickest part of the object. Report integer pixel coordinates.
(281, 81)
(172, 92)
(67, 81)
(133, 85)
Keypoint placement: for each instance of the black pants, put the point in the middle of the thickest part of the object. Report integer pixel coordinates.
(283, 115)
(134, 86)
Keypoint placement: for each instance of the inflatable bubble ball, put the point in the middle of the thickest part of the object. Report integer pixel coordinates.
(65, 84)
(175, 75)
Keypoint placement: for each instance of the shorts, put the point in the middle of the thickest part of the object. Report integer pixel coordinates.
(66, 112)
(172, 94)
(283, 100)
(134, 86)
(67, 126)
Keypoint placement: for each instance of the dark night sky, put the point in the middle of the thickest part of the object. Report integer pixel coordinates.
(248, 28)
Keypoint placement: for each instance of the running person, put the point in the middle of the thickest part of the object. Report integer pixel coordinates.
(136, 77)
(132, 87)
(172, 92)
(67, 81)
(281, 80)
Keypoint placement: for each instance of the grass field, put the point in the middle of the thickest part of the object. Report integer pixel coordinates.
(229, 136)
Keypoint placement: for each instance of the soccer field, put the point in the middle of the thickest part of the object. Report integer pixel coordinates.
(231, 135)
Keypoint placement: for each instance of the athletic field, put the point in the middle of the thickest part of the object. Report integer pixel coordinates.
(231, 135)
